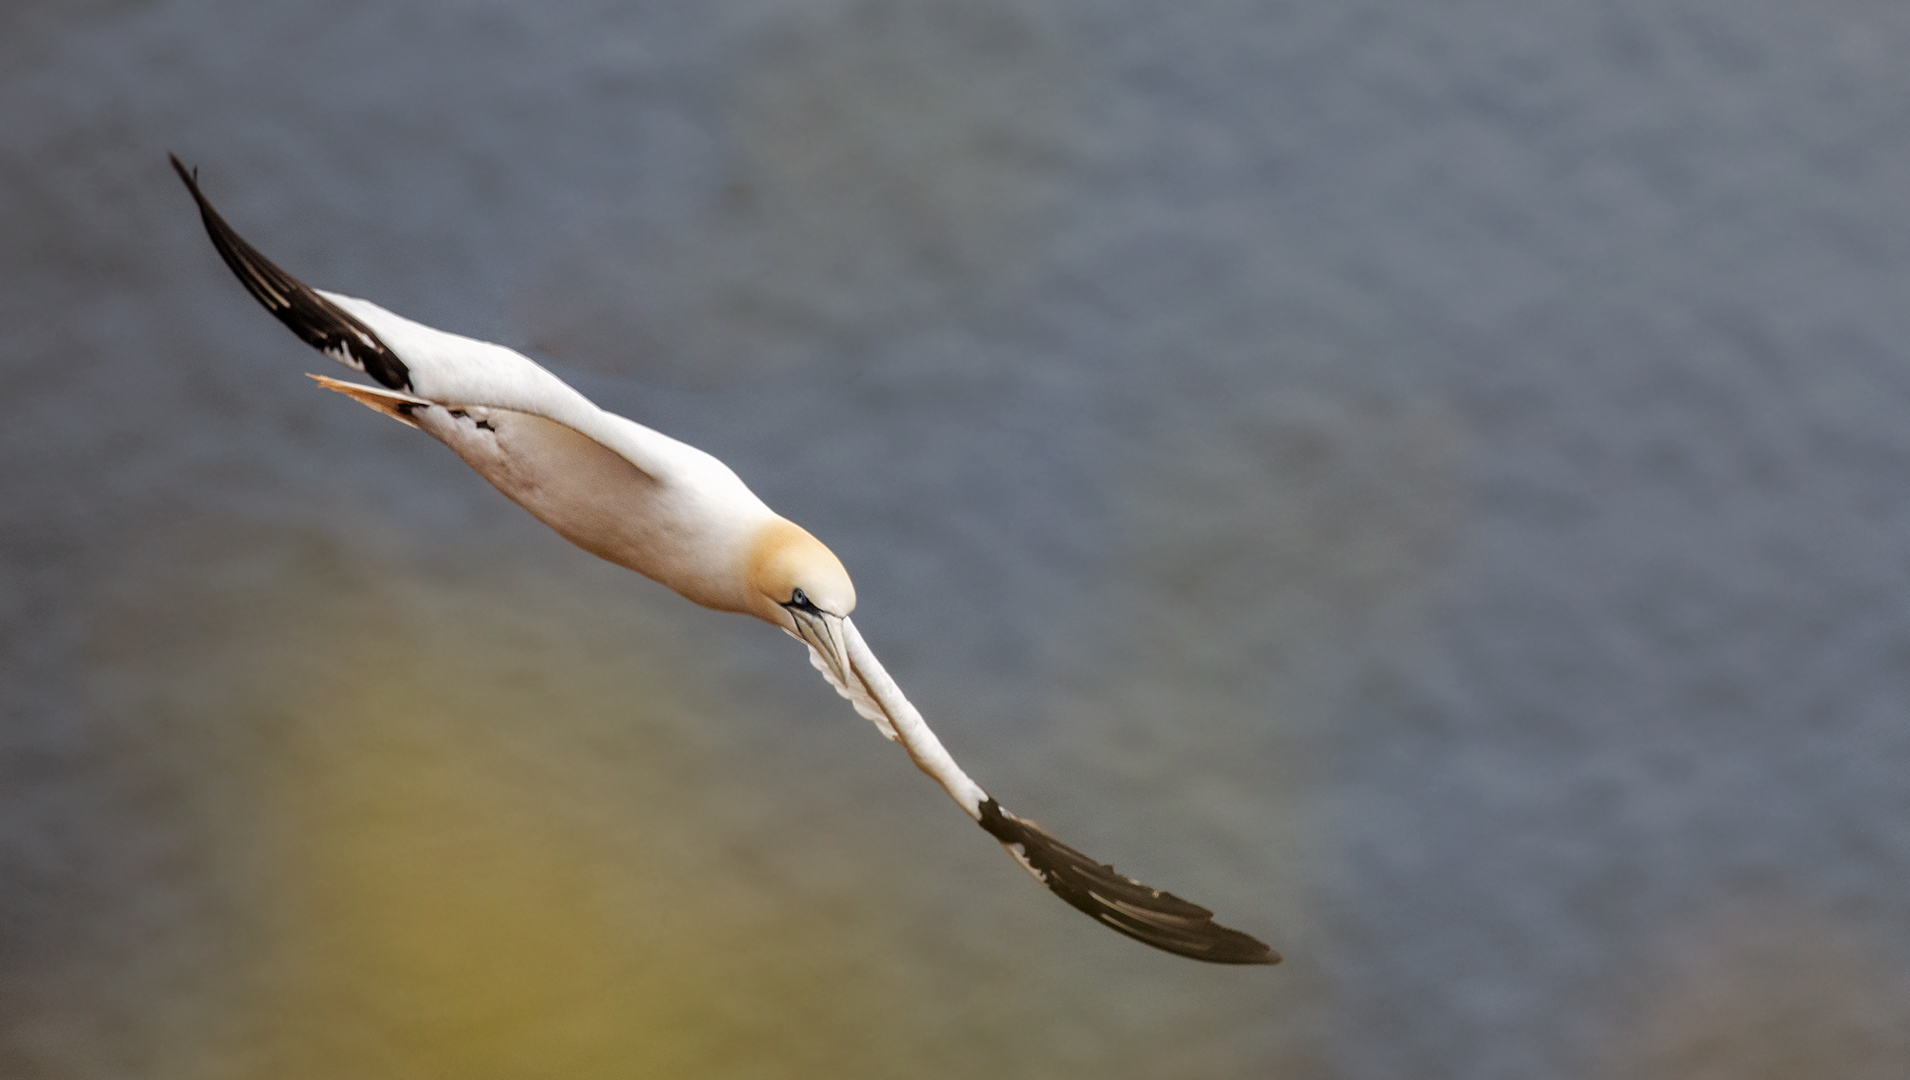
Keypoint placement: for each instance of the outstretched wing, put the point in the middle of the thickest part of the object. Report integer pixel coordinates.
(1142, 912)
(320, 324)
(437, 366)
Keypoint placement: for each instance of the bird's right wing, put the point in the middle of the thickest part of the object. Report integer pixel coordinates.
(857, 694)
(1142, 912)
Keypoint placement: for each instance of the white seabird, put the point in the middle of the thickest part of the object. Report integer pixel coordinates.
(679, 516)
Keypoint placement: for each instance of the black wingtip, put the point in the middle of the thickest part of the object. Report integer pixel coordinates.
(318, 322)
(1142, 912)
(191, 177)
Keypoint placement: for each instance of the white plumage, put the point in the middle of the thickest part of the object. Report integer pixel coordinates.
(679, 516)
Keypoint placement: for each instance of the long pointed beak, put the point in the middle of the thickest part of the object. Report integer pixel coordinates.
(822, 632)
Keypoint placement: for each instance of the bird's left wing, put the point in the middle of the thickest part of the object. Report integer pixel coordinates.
(435, 365)
(319, 323)
(1142, 912)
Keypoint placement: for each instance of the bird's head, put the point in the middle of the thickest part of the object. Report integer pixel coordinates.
(798, 584)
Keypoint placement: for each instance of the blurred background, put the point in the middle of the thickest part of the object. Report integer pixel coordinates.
(1430, 482)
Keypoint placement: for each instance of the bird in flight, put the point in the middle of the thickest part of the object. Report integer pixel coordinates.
(680, 517)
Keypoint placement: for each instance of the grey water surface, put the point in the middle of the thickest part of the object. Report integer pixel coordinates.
(1428, 481)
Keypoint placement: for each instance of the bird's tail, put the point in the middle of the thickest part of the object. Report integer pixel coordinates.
(395, 404)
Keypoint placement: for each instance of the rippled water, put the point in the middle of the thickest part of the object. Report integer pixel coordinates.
(1427, 482)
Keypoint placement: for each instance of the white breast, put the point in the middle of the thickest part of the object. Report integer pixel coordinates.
(688, 530)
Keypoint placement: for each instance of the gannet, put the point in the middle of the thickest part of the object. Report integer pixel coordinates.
(678, 516)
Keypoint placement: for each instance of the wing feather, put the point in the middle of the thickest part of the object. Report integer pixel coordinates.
(445, 368)
(319, 323)
(1142, 912)
(857, 694)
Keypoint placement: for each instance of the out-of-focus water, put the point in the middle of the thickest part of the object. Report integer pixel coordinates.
(1428, 481)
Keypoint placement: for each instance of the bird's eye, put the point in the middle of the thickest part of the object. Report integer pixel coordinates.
(797, 598)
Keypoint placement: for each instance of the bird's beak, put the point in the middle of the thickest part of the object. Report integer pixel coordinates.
(822, 632)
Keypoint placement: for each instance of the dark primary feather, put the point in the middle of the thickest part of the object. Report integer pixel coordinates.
(320, 323)
(1143, 913)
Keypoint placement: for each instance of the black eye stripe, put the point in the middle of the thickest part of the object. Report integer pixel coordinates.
(800, 601)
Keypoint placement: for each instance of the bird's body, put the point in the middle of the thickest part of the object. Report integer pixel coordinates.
(611, 486)
(679, 516)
